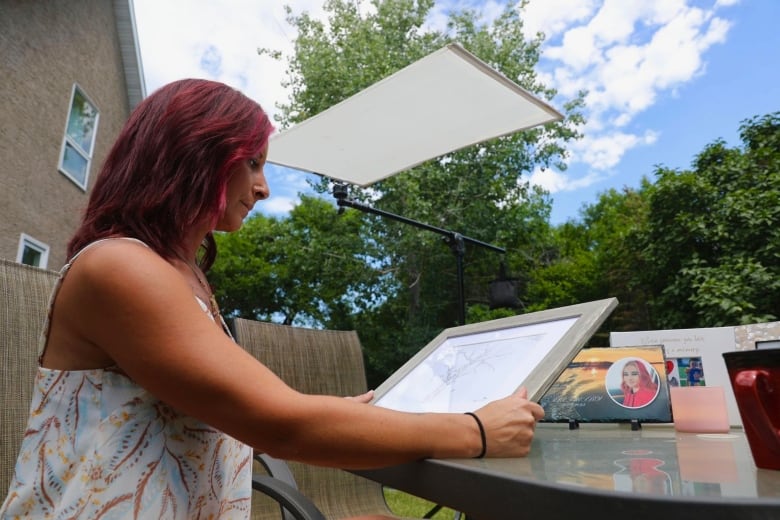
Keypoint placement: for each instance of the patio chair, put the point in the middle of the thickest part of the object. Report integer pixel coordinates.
(24, 298)
(316, 362)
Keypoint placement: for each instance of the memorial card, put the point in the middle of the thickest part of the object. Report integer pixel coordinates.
(611, 385)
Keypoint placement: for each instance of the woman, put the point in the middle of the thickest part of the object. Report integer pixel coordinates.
(638, 386)
(144, 406)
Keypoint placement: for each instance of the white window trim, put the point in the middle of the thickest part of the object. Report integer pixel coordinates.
(26, 241)
(66, 139)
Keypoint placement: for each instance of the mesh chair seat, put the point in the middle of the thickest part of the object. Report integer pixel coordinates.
(317, 362)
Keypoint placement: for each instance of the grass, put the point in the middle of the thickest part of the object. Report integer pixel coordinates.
(411, 506)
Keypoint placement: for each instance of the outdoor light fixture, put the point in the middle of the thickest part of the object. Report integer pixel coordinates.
(502, 292)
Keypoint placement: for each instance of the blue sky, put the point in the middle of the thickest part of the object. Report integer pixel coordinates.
(738, 79)
(665, 77)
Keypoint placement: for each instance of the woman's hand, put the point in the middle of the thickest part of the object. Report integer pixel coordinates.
(509, 424)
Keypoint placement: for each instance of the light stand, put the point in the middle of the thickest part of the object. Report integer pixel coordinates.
(456, 241)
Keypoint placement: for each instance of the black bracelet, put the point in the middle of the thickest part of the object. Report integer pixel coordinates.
(481, 434)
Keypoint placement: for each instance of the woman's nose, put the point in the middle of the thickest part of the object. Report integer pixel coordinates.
(261, 189)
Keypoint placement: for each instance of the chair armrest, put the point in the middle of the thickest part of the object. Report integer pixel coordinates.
(277, 468)
(294, 504)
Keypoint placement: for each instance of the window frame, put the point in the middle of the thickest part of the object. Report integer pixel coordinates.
(28, 242)
(68, 142)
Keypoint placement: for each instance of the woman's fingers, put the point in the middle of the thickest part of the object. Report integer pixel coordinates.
(510, 424)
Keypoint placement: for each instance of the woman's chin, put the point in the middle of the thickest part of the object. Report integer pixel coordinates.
(228, 227)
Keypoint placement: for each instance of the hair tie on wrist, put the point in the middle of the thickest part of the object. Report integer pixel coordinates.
(481, 434)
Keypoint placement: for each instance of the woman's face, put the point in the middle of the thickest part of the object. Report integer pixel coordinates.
(246, 186)
(631, 375)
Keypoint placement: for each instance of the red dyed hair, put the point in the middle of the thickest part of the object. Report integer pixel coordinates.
(170, 165)
(645, 379)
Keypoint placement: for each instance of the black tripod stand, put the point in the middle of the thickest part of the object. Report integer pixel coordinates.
(456, 241)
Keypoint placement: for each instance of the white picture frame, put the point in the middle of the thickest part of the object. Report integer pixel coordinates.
(757, 335)
(468, 366)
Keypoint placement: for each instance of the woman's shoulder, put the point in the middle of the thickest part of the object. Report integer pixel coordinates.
(118, 265)
(110, 243)
(112, 253)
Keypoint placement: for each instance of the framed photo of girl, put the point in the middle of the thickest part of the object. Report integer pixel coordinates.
(611, 385)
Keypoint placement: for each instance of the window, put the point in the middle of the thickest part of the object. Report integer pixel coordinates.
(32, 252)
(79, 141)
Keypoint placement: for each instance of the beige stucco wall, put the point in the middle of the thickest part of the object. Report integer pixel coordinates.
(45, 47)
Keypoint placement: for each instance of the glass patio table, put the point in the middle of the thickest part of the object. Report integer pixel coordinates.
(601, 471)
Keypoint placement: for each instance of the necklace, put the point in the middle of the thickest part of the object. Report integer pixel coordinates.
(212, 301)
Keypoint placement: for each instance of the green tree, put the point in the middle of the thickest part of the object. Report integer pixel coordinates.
(594, 259)
(711, 248)
(478, 191)
(311, 268)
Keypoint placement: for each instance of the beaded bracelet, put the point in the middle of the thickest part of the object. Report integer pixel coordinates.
(481, 434)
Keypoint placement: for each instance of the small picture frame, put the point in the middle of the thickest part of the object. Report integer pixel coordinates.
(611, 385)
(466, 367)
(685, 371)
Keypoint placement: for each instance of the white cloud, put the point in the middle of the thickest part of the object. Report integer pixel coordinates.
(552, 17)
(277, 205)
(604, 152)
(630, 51)
(554, 181)
(626, 54)
(218, 40)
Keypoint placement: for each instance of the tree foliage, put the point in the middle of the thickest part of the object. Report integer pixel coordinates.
(712, 241)
(594, 259)
(478, 192)
(695, 248)
(311, 268)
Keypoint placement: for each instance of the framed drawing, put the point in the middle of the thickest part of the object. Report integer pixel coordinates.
(611, 385)
(466, 367)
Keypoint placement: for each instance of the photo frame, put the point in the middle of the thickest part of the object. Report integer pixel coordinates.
(694, 357)
(611, 385)
(465, 367)
(757, 335)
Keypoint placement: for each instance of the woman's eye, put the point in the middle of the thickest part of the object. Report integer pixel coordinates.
(253, 163)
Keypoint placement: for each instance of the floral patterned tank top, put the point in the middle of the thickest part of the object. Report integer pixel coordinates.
(98, 446)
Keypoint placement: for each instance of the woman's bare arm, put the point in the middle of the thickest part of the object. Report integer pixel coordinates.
(125, 300)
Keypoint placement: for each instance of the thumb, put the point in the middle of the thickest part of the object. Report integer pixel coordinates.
(522, 392)
(362, 398)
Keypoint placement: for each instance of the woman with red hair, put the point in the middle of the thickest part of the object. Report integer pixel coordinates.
(144, 406)
(638, 386)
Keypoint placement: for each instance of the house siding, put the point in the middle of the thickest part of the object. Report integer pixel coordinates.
(45, 47)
